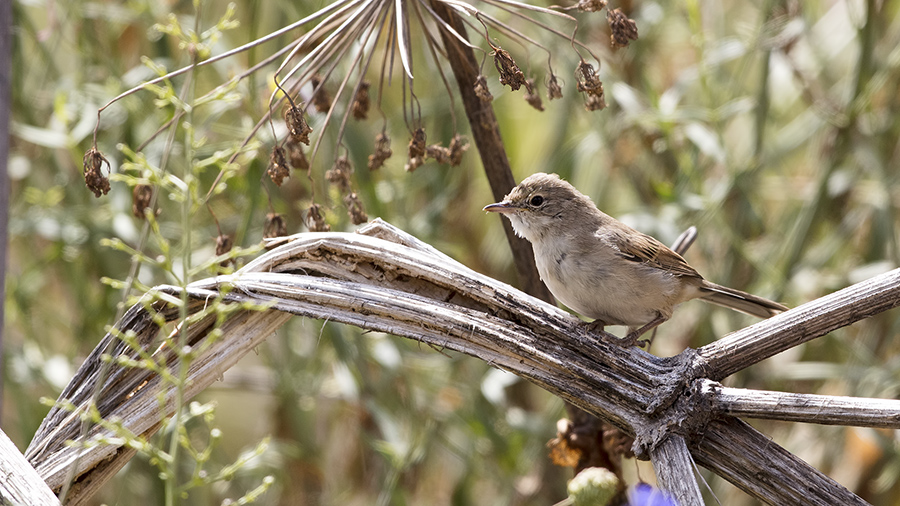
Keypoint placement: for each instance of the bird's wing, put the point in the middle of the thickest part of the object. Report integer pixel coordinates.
(637, 247)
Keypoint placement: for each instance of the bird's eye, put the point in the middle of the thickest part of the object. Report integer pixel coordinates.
(537, 200)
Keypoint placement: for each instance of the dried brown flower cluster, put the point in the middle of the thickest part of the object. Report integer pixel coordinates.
(314, 220)
(93, 172)
(298, 128)
(360, 105)
(339, 175)
(481, 89)
(278, 167)
(223, 245)
(590, 5)
(321, 98)
(590, 85)
(275, 226)
(622, 29)
(382, 151)
(141, 197)
(355, 208)
(554, 90)
(451, 155)
(296, 155)
(416, 150)
(532, 96)
(510, 74)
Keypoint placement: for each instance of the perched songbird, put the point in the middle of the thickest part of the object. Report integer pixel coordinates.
(604, 269)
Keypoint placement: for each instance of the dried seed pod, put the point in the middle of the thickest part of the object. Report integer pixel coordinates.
(590, 85)
(509, 71)
(438, 153)
(278, 167)
(355, 208)
(562, 453)
(275, 226)
(554, 90)
(417, 143)
(360, 105)
(481, 89)
(622, 30)
(532, 96)
(458, 146)
(321, 98)
(223, 245)
(141, 196)
(416, 150)
(314, 220)
(339, 175)
(382, 151)
(93, 172)
(590, 5)
(296, 156)
(298, 128)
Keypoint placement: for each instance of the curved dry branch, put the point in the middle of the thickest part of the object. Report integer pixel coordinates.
(383, 279)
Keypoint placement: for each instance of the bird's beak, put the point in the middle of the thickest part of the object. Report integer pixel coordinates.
(501, 207)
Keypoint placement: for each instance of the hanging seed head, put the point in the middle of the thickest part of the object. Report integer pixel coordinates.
(562, 453)
(509, 71)
(339, 175)
(93, 173)
(223, 245)
(360, 105)
(590, 5)
(622, 30)
(298, 128)
(414, 163)
(554, 90)
(458, 146)
(417, 143)
(314, 220)
(481, 89)
(382, 151)
(278, 167)
(532, 96)
(140, 200)
(590, 85)
(321, 98)
(438, 153)
(275, 226)
(296, 156)
(355, 209)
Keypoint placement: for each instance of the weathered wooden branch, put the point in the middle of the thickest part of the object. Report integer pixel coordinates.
(383, 279)
(19, 482)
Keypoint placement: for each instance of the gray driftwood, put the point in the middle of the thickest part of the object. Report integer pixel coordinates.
(383, 279)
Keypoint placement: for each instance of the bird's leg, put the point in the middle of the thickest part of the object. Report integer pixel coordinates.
(633, 334)
(596, 327)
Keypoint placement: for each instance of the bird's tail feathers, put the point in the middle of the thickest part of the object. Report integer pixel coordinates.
(740, 301)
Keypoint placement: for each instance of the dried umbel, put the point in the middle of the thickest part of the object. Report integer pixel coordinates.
(509, 72)
(339, 175)
(275, 226)
(93, 172)
(438, 153)
(481, 89)
(278, 167)
(554, 90)
(296, 156)
(360, 105)
(382, 151)
(355, 209)
(531, 95)
(141, 197)
(416, 150)
(321, 98)
(314, 220)
(458, 146)
(590, 85)
(622, 30)
(298, 128)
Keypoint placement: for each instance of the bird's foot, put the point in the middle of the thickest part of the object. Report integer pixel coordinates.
(596, 327)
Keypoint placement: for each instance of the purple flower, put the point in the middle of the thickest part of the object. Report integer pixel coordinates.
(644, 494)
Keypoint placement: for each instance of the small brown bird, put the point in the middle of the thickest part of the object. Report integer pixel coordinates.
(604, 269)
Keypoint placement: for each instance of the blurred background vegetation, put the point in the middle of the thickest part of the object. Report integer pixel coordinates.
(772, 126)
